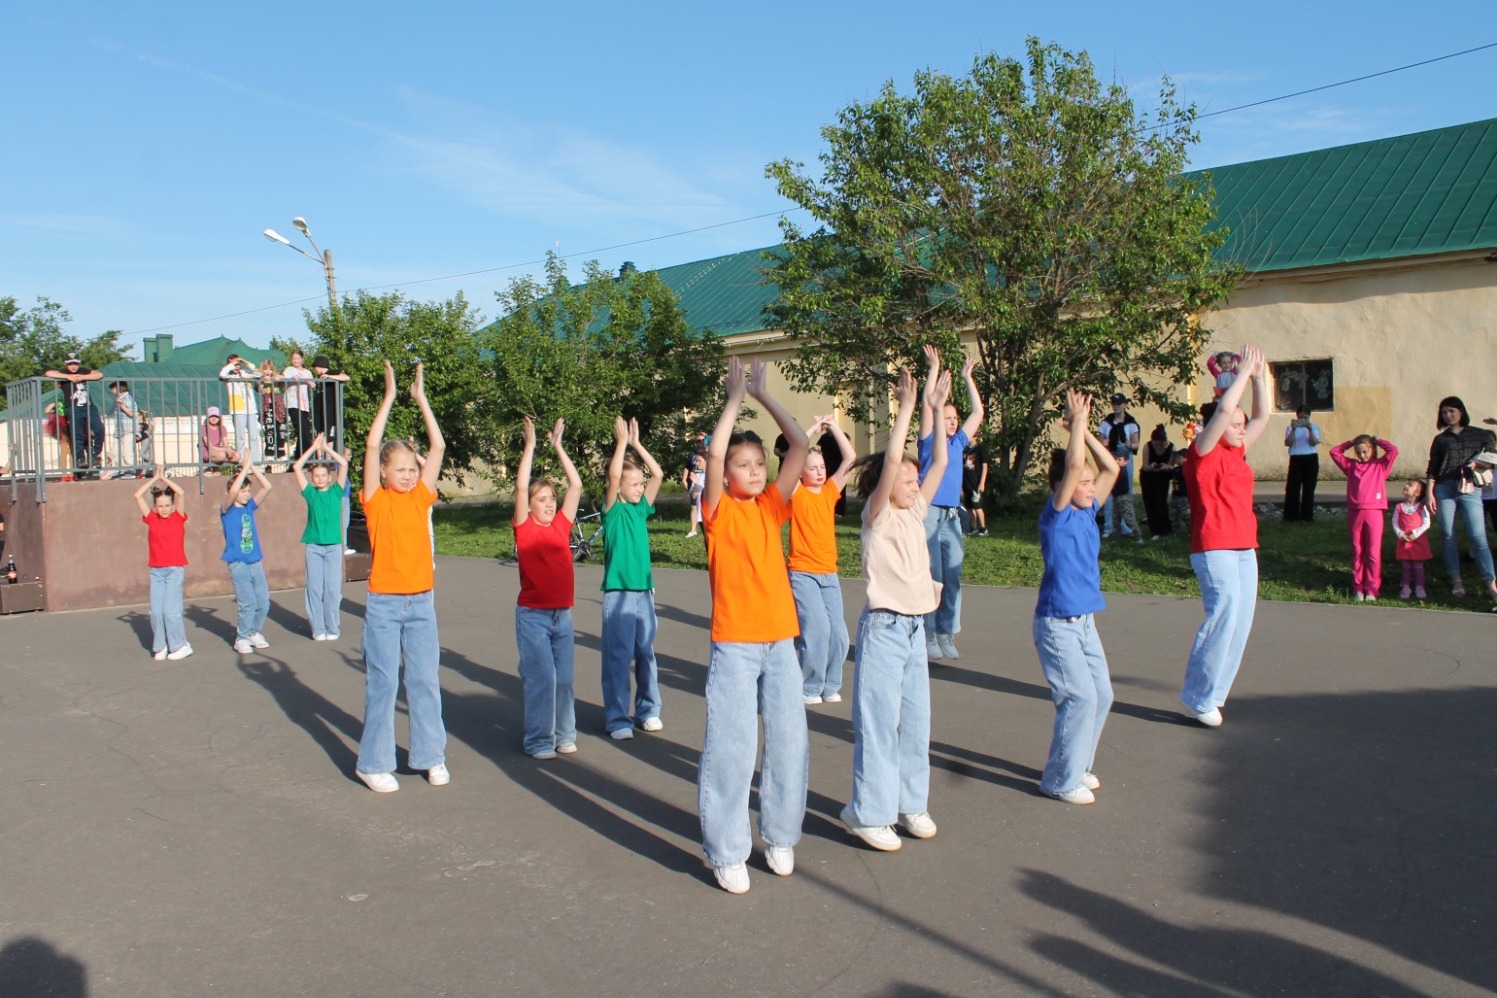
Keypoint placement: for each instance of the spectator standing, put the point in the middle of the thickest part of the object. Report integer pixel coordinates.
(326, 400)
(85, 427)
(299, 400)
(1303, 439)
(240, 376)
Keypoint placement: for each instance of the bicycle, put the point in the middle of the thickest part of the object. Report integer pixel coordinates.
(587, 531)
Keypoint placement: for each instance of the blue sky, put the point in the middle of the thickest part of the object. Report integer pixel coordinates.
(151, 143)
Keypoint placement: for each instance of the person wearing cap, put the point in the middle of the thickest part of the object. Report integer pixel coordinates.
(213, 440)
(325, 407)
(85, 425)
(244, 410)
(1119, 431)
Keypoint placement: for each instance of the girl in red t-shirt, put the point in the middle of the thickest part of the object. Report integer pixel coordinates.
(543, 613)
(166, 527)
(1224, 538)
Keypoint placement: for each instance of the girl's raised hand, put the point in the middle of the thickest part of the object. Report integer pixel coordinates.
(906, 390)
(939, 390)
(620, 430)
(389, 380)
(968, 366)
(758, 381)
(1078, 407)
(634, 432)
(556, 431)
(529, 433)
(1252, 361)
(737, 385)
(932, 358)
(418, 386)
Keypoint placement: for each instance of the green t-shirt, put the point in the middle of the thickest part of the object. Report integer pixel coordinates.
(626, 547)
(324, 514)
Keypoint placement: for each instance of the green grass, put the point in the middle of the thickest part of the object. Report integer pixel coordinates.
(1297, 563)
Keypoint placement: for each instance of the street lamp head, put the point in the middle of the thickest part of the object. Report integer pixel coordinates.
(276, 237)
(301, 226)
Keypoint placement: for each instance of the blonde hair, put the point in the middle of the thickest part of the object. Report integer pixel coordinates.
(389, 447)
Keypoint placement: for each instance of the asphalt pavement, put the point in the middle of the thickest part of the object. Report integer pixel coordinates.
(194, 827)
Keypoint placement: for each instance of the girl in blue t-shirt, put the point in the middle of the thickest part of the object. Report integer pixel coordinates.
(1065, 635)
(243, 555)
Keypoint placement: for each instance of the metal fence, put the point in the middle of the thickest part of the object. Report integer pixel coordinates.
(123, 428)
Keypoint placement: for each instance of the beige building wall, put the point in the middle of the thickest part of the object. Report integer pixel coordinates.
(1401, 337)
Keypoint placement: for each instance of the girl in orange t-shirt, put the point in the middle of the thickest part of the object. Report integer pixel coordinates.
(400, 617)
(823, 642)
(752, 670)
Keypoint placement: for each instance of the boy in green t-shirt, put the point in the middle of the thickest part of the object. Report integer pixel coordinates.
(323, 537)
(628, 589)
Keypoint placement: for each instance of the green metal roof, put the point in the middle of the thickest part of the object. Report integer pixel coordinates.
(1411, 195)
(216, 352)
(725, 294)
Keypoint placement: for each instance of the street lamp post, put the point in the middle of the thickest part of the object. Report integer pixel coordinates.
(325, 257)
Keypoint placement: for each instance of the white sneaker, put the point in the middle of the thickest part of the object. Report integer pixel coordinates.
(623, 735)
(380, 783)
(652, 724)
(1080, 795)
(880, 837)
(319, 637)
(258, 640)
(831, 697)
(180, 653)
(159, 656)
(566, 748)
(349, 551)
(948, 646)
(734, 878)
(932, 649)
(1090, 781)
(243, 646)
(812, 701)
(438, 776)
(781, 860)
(1211, 718)
(919, 825)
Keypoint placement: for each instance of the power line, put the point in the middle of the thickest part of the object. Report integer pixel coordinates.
(770, 214)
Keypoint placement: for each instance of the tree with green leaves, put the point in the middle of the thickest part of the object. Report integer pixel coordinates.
(611, 345)
(1025, 207)
(368, 329)
(33, 340)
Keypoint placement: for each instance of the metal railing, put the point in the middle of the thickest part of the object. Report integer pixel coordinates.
(123, 428)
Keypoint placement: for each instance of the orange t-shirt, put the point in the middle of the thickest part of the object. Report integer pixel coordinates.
(751, 599)
(813, 530)
(400, 537)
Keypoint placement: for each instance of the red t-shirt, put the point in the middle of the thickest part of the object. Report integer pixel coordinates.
(547, 579)
(167, 537)
(1220, 483)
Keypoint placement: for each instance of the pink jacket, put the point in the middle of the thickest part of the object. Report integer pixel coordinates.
(1366, 481)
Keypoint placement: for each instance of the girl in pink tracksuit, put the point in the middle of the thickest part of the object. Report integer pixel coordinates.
(1366, 507)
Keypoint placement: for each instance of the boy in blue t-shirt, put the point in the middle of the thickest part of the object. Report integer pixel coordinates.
(1065, 635)
(244, 557)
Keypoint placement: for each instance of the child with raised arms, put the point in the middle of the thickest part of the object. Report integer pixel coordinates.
(628, 587)
(891, 687)
(1366, 507)
(1065, 631)
(543, 613)
(752, 670)
(166, 531)
(322, 539)
(400, 616)
(823, 642)
(243, 555)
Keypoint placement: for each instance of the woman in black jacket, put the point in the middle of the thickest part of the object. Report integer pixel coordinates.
(1449, 491)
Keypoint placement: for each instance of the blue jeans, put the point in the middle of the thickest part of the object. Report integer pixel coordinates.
(823, 642)
(943, 536)
(325, 588)
(890, 719)
(166, 609)
(546, 647)
(247, 436)
(1075, 666)
(401, 629)
(1453, 502)
(629, 635)
(744, 680)
(1229, 588)
(252, 595)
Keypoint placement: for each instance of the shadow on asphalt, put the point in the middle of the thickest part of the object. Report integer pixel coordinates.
(33, 966)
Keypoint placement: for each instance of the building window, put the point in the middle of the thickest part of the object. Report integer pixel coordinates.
(1303, 382)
